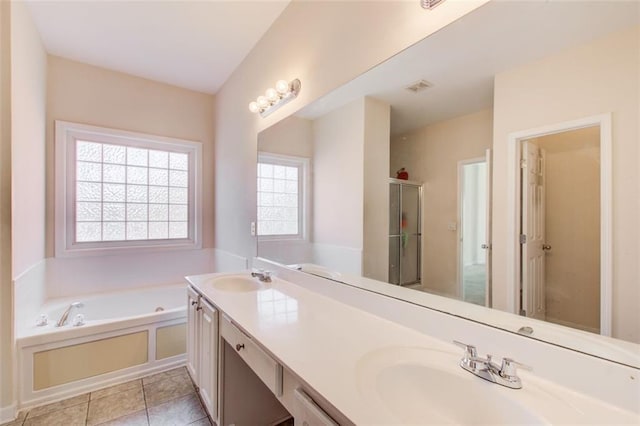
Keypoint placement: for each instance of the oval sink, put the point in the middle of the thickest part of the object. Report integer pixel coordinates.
(419, 386)
(236, 283)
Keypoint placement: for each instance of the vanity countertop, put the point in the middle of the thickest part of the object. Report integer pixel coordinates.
(343, 353)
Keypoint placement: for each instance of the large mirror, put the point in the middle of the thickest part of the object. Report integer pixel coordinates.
(494, 163)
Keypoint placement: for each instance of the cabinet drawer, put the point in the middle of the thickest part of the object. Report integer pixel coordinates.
(265, 367)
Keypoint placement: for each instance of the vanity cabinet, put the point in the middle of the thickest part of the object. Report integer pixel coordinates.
(202, 349)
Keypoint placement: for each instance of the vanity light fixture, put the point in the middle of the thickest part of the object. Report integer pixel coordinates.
(430, 4)
(275, 98)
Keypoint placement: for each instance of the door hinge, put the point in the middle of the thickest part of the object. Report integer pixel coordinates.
(523, 239)
(523, 163)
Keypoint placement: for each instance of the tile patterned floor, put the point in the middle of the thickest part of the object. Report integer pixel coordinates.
(166, 398)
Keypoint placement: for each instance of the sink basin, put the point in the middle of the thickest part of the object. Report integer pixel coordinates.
(236, 283)
(418, 386)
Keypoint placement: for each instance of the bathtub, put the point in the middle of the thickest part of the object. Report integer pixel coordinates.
(125, 335)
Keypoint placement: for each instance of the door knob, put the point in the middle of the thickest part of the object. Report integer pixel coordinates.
(546, 247)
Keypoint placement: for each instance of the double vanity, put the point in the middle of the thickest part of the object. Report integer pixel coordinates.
(262, 349)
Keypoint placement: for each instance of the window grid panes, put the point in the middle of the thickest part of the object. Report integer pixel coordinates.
(126, 193)
(279, 198)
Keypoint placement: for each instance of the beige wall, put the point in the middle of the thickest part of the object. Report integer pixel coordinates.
(431, 156)
(28, 118)
(338, 150)
(572, 227)
(86, 94)
(291, 136)
(599, 77)
(299, 45)
(375, 245)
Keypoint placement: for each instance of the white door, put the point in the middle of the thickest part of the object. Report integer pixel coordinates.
(209, 357)
(193, 302)
(533, 231)
(487, 244)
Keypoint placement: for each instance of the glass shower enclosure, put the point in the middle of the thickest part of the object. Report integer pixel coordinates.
(405, 237)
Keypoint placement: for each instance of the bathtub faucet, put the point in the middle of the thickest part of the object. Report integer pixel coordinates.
(65, 315)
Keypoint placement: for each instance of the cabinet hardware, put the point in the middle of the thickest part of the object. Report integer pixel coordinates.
(239, 346)
(194, 302)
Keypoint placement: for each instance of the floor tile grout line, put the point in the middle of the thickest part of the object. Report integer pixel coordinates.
(146, 407)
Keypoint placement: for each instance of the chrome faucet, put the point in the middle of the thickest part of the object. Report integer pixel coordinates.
(65, 314)
(262, 275)
(504, 374)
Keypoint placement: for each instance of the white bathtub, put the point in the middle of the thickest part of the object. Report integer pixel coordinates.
(124, 336)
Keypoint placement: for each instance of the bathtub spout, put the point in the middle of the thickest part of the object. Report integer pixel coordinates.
(65, 315)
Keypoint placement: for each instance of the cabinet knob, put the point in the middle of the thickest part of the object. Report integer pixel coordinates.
(194, 302)
(239, 346)
(199, 308)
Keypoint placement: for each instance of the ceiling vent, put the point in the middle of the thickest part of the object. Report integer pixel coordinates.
(430, 4)
(419, 86)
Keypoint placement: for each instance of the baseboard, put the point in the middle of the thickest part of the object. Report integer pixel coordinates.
(8, 413)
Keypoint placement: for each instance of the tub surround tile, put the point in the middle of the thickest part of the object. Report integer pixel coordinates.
(181, 411)
(134, 384)
(138, 418)
(56, 406)
(74, 415)
(114, 406)
(164, 375)
(167, 389)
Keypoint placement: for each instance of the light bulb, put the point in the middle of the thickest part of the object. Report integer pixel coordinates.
(272, 95)
(253, 107)
(282, 86)
(262, 102)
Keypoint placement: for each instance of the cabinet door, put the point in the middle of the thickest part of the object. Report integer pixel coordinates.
(193, 326)
(209, 357)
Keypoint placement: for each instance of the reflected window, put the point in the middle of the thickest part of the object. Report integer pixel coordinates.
(281, 181)
(277, 307)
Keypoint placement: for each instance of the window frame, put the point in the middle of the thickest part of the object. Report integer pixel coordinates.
(66, 135)
(304, 201)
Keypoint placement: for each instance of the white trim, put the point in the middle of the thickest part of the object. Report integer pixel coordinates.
(304, 188)
(606, 218)
(66, 133)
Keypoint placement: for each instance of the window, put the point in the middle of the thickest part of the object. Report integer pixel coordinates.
(123, 190)
(281, 196)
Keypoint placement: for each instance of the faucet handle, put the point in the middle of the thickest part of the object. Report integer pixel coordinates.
(470, 351)
(510, 366)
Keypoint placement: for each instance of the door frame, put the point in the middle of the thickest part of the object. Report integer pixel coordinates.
(606, 226)
(460, 272)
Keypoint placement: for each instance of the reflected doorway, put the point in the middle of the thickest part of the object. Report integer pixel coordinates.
(473, 233)
(560, 229)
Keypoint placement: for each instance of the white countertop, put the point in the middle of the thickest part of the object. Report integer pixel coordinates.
(326, 343)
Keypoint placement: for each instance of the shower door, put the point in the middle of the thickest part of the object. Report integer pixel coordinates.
(405, 201)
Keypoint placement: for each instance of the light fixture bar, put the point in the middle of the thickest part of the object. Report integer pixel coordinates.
(275, 98)
(430, 4)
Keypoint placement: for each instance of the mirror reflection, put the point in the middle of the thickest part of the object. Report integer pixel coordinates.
(476, 165)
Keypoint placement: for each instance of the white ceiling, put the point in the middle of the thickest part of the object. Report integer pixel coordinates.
(462, 59)
(191, 44)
